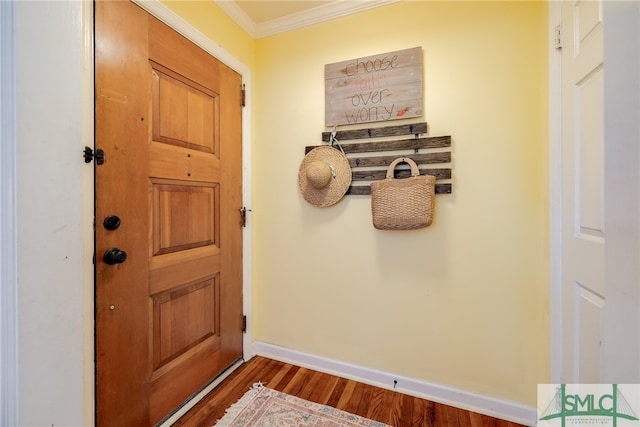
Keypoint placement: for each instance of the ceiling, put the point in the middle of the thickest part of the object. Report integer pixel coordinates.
(263, 11)
(262, 18)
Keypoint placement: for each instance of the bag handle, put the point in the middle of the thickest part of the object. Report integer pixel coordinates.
(414, 168)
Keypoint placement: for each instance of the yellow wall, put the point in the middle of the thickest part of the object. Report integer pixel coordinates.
(463, 303)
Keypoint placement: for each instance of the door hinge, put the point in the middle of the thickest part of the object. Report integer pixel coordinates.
(244, 95)
(90, 155)
(244, 323)
(243, 216)
(558, 37)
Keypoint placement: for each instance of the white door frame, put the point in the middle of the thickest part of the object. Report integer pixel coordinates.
(8, 220)
(555, 194)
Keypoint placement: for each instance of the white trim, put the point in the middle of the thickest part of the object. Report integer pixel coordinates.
(247, 338)
(236, 13)
(327, 12)
(8, 221)
(88, 203)
(499, 408)
(166, 15)
(555, 196)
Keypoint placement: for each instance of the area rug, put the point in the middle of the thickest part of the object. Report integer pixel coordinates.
(264, 407)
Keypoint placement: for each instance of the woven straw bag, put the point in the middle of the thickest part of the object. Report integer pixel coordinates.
(403, 204)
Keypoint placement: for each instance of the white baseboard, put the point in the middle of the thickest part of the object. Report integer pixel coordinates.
(499, 408)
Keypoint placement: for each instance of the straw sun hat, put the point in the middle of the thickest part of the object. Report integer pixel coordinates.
(324, 176)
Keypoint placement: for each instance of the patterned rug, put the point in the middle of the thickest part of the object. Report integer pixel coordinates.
(264, 407)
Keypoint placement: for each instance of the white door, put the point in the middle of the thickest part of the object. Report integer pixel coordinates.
(600, 193)
(583, 209)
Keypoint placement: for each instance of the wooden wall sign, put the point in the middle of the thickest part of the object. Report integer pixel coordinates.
(382, 87)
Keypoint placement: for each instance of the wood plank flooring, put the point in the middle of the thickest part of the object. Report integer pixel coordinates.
(372, 402)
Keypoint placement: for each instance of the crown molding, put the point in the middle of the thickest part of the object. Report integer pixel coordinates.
(237, 14)
(327, 12)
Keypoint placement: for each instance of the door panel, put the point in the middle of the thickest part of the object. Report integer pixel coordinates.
(168, 116)
(588, 310)
(183, 217)
(184, 318)
(583, 239)
(185, 113)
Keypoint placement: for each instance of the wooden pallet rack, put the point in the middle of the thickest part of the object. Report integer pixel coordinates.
(374, 167)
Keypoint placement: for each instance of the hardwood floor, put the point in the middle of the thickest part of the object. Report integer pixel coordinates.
(376, 403)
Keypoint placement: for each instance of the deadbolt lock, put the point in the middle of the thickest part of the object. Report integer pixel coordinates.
(112, 222)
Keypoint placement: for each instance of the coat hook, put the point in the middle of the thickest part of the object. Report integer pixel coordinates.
(358, 161)
(369, 132)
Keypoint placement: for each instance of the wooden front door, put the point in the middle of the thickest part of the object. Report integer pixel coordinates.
(168, 225)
